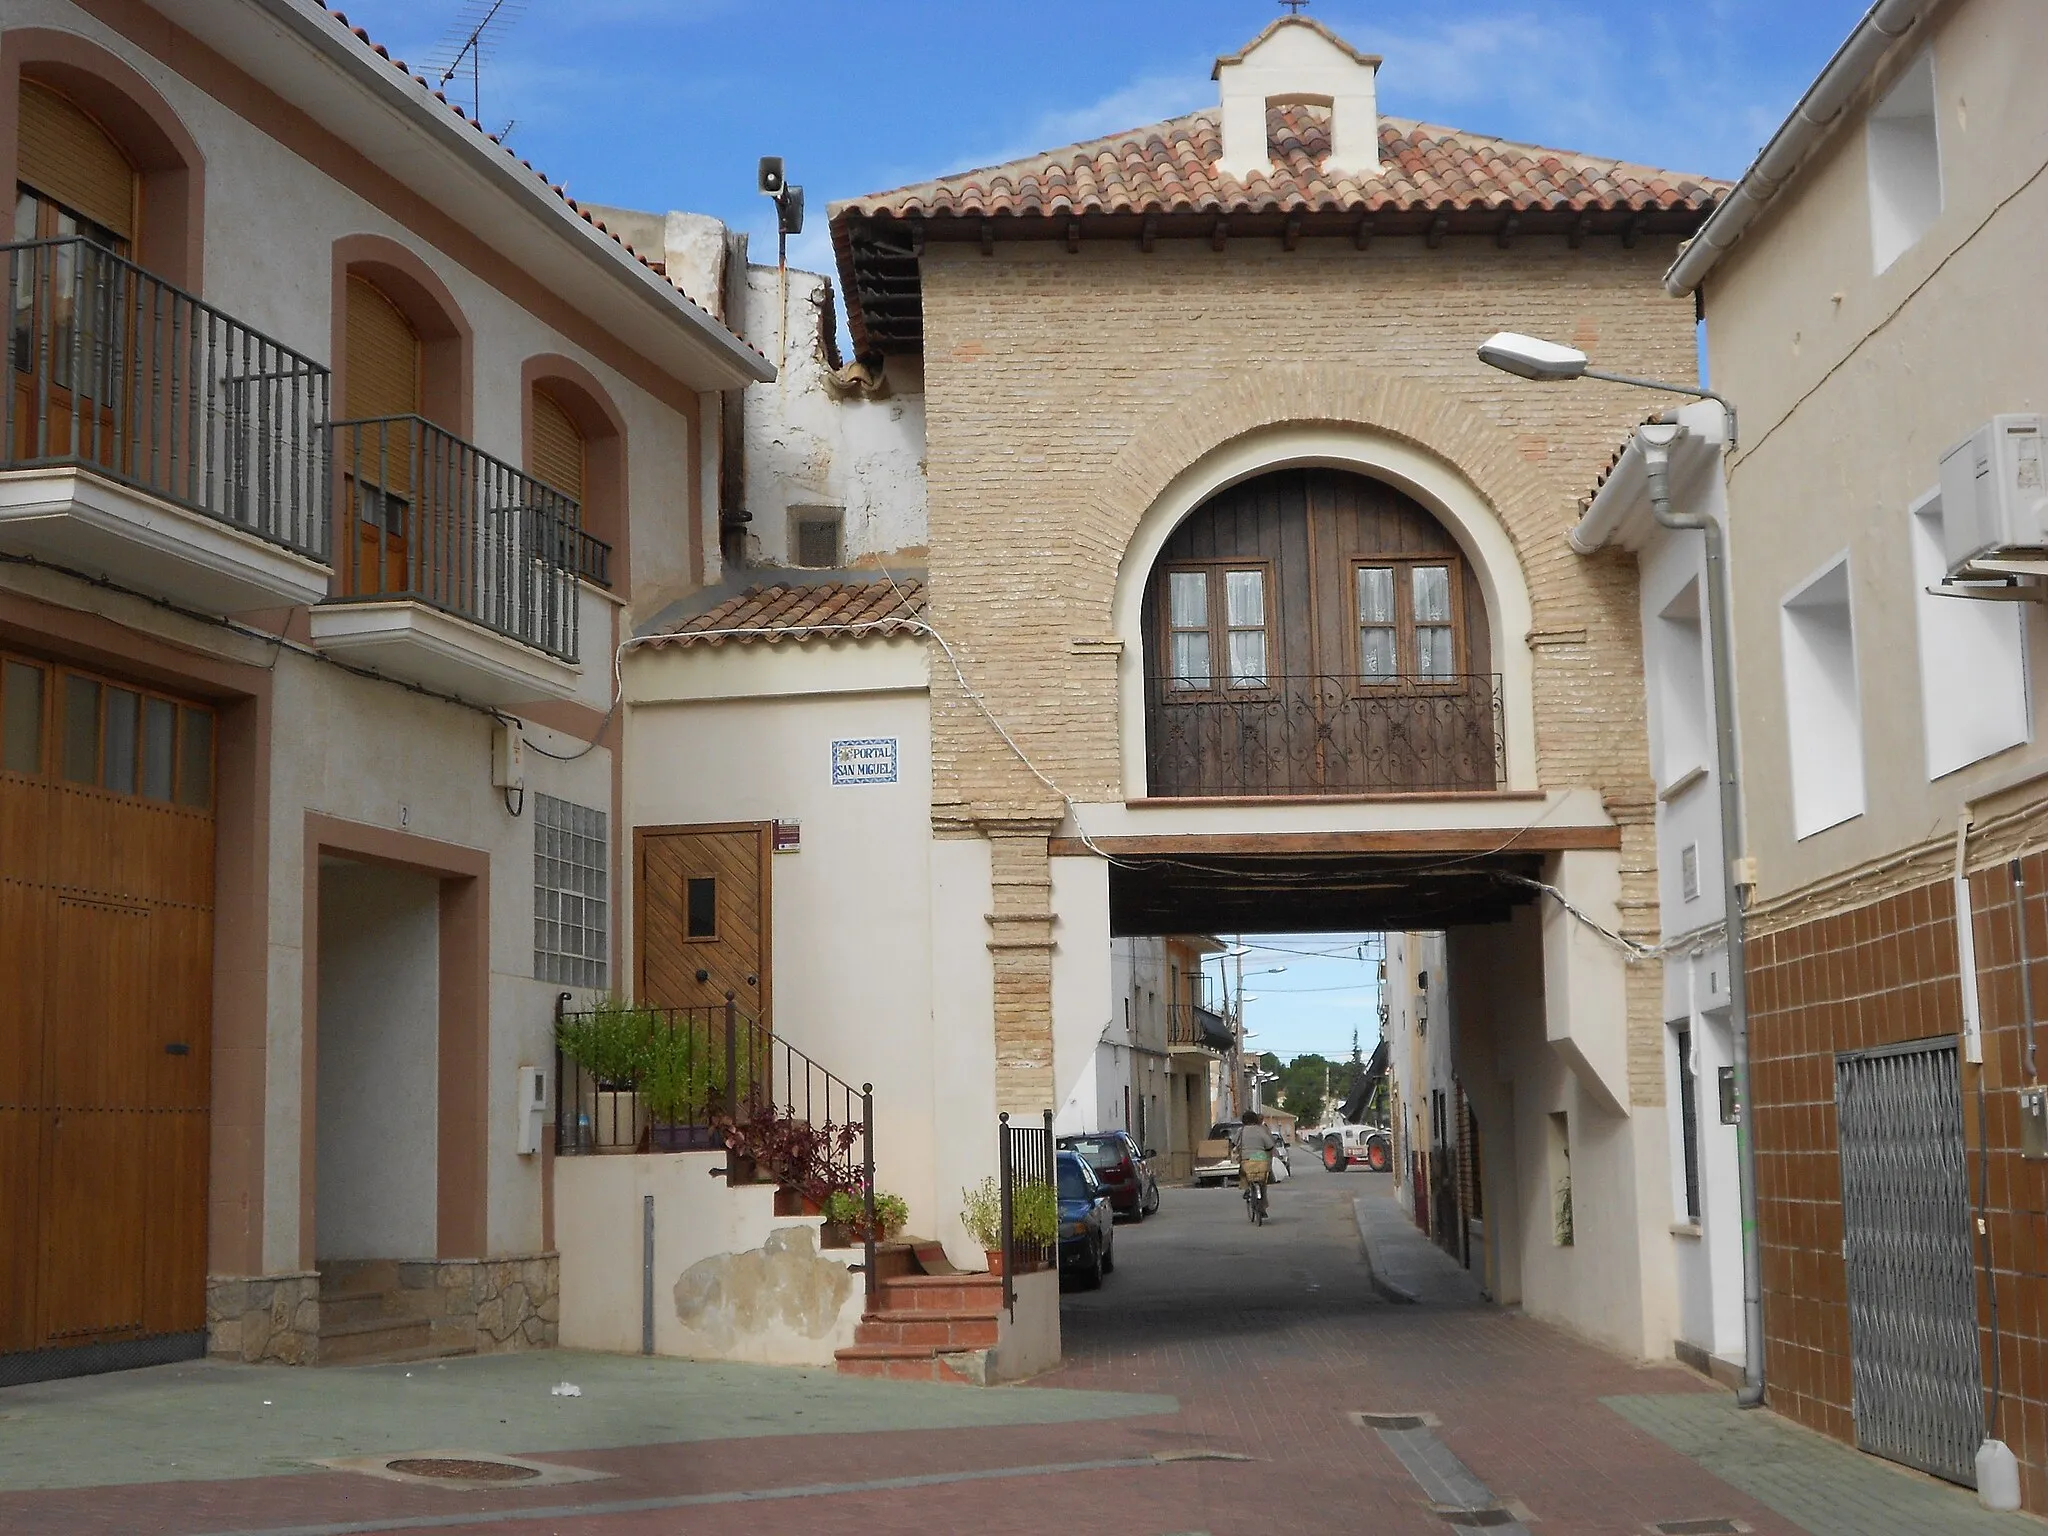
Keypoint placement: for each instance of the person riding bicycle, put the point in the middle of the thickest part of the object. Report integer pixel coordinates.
(1255, 1146)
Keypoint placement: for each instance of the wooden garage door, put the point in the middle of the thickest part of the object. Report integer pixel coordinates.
(702, 924)
(106, 936)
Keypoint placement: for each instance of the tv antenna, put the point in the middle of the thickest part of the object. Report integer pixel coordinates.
(478, 29)
(1294, 6)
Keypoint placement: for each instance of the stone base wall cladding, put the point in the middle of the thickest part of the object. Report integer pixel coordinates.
(1836, 970)
(489, 1305)
(1065, 390)
(264, 1319)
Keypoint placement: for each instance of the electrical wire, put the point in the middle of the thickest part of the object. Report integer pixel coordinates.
(911, 622)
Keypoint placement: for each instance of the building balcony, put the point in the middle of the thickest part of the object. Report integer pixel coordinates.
(1324, 736)
(1194, 1030)
(456, 571)
(150, 440)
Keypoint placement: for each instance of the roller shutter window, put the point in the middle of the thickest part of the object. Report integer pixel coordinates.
(67, 158)
(383, 356)
(558, 448)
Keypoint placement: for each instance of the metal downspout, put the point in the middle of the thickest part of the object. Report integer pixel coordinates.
(1656, 440)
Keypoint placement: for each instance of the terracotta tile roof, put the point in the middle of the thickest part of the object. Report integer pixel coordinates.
(1170, 167)
(777, 613)
(1162, 181)
(557, 188)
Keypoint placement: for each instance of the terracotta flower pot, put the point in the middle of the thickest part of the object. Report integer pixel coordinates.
(995, 1260)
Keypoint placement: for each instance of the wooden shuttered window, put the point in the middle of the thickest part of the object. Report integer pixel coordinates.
(68, 158)
(383, 356)
(559, 452)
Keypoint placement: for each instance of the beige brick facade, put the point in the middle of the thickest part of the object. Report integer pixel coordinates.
(1066, 390)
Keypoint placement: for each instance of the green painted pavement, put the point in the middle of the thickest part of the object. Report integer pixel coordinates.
(209, 1420)
(1818, 1484)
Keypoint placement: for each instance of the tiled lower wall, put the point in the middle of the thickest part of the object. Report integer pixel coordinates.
(1885, 974)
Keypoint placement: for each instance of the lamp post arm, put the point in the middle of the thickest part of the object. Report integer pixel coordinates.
(1727, 408)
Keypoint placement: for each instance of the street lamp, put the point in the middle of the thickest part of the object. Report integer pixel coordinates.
(1549, 362)
(1552, 362)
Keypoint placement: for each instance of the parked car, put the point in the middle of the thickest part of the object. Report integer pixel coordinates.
(1123, 1168)
(1087, 1225)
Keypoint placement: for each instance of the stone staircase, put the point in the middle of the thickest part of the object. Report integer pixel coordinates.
(930, 1322)
(370, 1314)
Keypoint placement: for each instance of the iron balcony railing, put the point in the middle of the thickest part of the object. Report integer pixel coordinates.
(632, 1079)
(113, 370)
(1189, 1025)
(430, 518)
(1325, 736)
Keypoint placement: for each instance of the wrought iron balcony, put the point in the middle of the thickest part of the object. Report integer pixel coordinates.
(1190, 1026)
(1324, 736)
(431, 519)
(113, 370)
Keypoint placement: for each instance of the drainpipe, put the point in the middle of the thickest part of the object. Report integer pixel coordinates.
(1656, 439)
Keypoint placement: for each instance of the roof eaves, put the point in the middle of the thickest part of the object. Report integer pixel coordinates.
(1797, 137)
(334, 34)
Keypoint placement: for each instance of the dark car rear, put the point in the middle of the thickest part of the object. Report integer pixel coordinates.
(1119, 1164)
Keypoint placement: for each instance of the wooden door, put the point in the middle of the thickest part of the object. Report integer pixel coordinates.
(382, 386)
(703, 916)
(106, 933)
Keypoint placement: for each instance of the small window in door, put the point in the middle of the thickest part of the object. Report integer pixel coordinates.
(700, 907)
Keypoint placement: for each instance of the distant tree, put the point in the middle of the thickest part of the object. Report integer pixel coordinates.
(1302, 1088)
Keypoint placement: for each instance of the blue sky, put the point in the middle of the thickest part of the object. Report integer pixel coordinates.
(1307, 992)
(662, 104)
(667, 103)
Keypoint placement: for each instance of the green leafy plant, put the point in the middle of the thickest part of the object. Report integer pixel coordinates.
(610, 1042)
(981, 1213)
(1035, 1212)
(845, 1208)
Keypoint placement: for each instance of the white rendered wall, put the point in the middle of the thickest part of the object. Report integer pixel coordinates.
(808, 446)
(379, 1043)
(1614, 1282)
(964, 1031)
(1088, 1037)
(794, 1311)
(367, 752)
(851, 941)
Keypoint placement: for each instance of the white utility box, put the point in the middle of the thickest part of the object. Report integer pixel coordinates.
(1994, 497)
(533, 1108)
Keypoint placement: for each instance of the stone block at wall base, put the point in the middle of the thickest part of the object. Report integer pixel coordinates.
(264, 1319)
(486, 1305)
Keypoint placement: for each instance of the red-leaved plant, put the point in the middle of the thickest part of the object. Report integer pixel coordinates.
(813, 1160)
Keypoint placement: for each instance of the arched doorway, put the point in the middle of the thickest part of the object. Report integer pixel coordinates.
(1314, 631)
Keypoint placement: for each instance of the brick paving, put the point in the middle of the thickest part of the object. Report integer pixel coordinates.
(1251, 1343)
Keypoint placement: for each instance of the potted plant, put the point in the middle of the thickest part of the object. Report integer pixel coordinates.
(610, 1043)
(846, 1218)
(1035, 1213)
(981, 1213)
(676, 1082)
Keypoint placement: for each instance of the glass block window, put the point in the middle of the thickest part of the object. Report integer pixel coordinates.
(571, 893)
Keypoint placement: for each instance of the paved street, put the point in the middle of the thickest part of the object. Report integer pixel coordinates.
(1209, 1387)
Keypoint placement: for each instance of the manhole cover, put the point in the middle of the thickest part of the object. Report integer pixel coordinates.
(461, 1471)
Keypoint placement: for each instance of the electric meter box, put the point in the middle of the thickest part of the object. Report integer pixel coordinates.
(1994, 491)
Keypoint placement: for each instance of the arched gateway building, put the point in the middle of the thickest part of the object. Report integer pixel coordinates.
(1249, 608)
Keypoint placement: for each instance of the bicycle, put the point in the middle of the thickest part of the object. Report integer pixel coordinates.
(1255, 1172)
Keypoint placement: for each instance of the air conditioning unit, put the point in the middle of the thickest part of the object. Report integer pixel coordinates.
(1994, 493)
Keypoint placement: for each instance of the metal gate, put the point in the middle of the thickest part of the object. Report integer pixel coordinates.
(1918, 1392)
